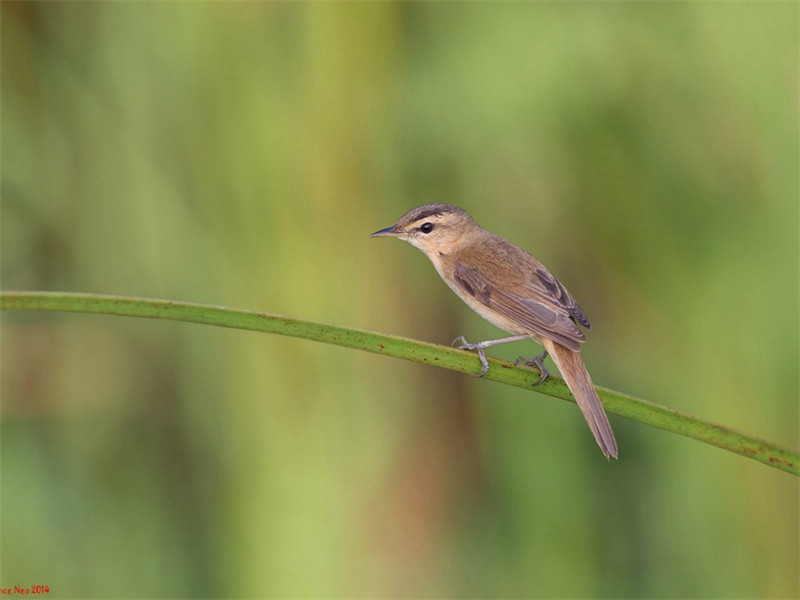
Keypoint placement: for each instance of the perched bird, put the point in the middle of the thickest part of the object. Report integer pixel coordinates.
(512, 290)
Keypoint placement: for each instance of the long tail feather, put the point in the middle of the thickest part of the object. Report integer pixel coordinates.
(571, 366)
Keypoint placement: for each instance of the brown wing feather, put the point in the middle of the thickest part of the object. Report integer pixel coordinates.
(539, 310)
(562, 296)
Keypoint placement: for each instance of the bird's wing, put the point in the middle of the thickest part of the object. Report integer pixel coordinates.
(546, 307)
(561, 296)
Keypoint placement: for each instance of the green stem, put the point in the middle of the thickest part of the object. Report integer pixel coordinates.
(399, 347)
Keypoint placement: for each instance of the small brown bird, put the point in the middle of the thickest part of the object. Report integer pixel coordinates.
(513, 291)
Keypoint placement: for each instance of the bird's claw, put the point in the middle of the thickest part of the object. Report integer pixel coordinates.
(463, 344)
(538, 362)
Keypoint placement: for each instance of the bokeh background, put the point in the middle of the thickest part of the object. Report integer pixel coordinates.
(242, 153)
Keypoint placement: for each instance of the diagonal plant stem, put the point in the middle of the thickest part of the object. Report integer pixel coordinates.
(399, 347)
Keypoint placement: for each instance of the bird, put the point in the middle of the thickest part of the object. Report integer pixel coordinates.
(512, 290)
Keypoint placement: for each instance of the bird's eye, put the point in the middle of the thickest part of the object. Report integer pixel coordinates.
(426, 227)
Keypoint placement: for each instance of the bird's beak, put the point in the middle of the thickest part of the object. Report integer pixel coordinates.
(388, 231)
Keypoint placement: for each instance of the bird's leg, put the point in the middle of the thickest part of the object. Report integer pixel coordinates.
(480, 347)
(538, 362)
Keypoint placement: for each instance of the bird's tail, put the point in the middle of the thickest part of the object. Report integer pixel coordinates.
(580, 384)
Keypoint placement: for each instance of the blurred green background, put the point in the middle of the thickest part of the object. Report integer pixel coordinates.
(242, 153)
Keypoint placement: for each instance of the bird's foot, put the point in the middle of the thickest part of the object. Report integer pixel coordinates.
(537, 362)
(462, 344)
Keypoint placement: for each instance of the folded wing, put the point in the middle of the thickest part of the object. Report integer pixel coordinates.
(543, 306)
